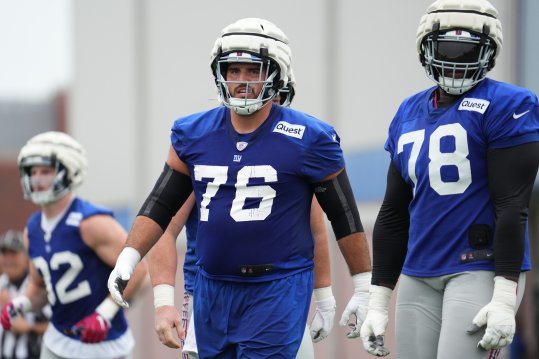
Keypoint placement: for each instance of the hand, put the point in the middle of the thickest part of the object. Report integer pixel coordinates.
(325, 313)
(120, 275)
(357, 304)
(498, 315)
(19, 325)
(93, 328)
(17, 306)
(374, 328)
(166, 318)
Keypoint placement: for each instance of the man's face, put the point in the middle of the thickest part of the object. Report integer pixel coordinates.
(42, 177)
(245, 80)
(14, 263)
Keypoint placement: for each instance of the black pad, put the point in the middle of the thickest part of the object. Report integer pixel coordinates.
(337, 200)
(168, 195)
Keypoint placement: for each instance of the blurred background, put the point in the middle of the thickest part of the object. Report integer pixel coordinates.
(116, 74)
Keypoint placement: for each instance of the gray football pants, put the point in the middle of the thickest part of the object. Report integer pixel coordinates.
(432, 314)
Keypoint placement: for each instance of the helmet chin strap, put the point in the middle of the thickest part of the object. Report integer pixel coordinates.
(448, 84)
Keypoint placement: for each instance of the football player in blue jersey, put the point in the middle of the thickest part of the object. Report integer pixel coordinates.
(73, 245)
(253, 166)
(453, 223)
(162, 262)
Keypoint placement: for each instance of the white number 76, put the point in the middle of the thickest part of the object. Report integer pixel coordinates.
(220, 175)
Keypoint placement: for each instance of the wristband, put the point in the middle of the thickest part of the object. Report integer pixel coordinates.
(505, 291)
(163, 295)
(362, 282)
(107, 309)
(130, 257)
(322, 293)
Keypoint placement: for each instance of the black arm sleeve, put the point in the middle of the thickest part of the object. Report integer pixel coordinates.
(337, 200)
(168, 195)
(390, 235)
(511, 176)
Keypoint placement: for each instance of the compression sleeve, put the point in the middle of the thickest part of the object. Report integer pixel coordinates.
(337, 200)
(168, 195)
(511, 176)
(390, 234)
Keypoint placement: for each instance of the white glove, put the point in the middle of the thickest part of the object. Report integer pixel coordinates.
(357, 304)
(120, 275)
(373, 329)
(498, 315)
(325, 312)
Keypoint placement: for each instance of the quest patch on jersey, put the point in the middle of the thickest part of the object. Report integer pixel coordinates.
(73, 219)
(289, 129)
(474, 104)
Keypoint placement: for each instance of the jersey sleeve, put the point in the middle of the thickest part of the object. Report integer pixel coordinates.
(390, 145)
(177, 136)
(514, 121)
(324, 156)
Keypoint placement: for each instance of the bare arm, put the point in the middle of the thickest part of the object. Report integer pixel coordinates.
(163, 263)
(36, 290)
(322, 268)
(162, 258)
(355, 251)
(106, 237)
(354, 246)
(145, 231)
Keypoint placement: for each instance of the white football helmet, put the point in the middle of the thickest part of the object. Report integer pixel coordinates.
(289, 91)
(251, 40)
(458, 42)
(60, 151)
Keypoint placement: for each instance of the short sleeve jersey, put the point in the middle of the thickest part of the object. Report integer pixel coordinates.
(75, 277)
(253, 191)
(442, 154)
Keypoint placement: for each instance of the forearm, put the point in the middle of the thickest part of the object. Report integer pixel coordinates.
(390, 234)
(162, 261)
(143, 235)
(322, 267)
(355, 251)
(511, 176)
(36, 292)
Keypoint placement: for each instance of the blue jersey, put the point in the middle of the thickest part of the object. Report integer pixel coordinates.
(442, 154)
(254, 191)
(190, 262)
(75, 277)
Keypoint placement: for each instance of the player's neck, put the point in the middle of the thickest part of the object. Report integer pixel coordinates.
(443, 99)
(249, 123)
(51, 210)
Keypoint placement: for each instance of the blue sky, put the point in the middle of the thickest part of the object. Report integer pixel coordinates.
(35, 47)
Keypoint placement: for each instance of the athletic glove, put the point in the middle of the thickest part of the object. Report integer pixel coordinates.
(17, 306)
(498, 315)
(325, 313)
(357, 304)
(120, 275)
(374, 328)
(94, 328)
